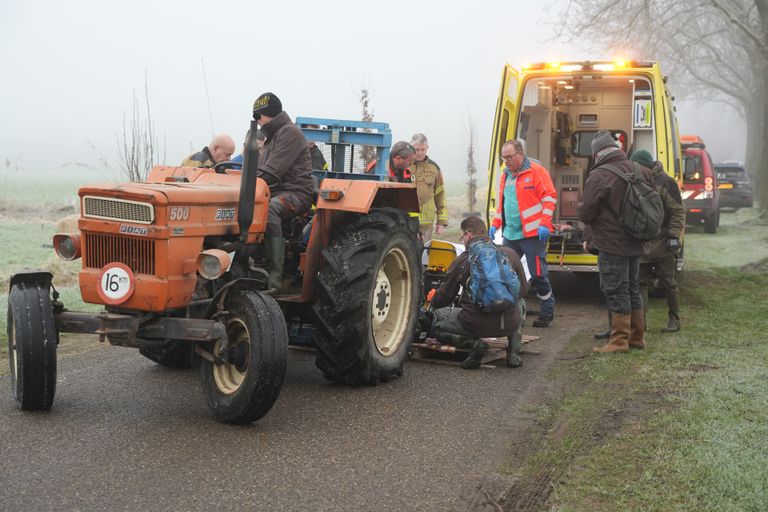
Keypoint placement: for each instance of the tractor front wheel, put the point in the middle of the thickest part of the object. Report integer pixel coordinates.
(244, 388)
(32, 341)
(368, 298)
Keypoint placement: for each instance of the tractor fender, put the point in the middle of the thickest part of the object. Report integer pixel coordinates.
(361, 195)
(31, 277)
(221, 296)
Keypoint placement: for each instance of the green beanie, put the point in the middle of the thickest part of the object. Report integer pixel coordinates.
(642, 157)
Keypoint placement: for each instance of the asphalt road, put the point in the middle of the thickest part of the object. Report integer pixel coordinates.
(126, 434)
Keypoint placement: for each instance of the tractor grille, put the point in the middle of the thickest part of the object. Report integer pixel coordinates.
(118, 209)
(137, 253)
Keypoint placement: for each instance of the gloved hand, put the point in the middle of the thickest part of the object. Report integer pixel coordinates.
(492, 232)
(674, 245)
(431, 295)
(543, 233)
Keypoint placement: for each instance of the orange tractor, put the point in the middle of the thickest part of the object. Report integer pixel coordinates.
(179, 264)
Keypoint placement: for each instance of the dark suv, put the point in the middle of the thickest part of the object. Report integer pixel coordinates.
(734, 184)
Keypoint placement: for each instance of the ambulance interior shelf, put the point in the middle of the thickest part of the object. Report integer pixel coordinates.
(559, 118)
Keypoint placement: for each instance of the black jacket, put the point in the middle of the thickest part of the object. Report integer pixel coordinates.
(286, 155)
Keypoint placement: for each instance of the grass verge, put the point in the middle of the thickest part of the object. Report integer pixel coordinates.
(679, 426)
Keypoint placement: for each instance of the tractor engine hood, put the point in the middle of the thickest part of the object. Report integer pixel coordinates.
(167, 208)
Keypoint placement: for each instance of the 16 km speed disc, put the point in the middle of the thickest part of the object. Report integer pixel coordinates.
(116, 284)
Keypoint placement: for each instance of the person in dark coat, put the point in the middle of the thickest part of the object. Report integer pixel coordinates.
(285, 165)
(220, 149)
(663, 250)
(618, 253)
(466, 325)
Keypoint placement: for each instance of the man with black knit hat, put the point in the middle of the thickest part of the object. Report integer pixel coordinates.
(663, 250)
(618, 253)
(286, 166)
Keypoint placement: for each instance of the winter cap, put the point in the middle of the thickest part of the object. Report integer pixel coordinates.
(603, 139)
(267, 105)
(642, 157)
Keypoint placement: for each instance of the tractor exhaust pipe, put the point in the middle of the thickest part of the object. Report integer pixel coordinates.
(248, 182)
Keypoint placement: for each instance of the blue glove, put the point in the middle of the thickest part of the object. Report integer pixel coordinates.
(543, 233)
(492, 232)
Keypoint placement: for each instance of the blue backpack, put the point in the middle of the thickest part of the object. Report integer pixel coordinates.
(493, 285)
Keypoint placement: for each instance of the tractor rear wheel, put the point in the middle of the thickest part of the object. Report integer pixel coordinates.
(243, 389)
(32, 341)
(368, 298)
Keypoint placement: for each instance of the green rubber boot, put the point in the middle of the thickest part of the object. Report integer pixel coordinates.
(673, 303)
(514, 346)
(475, 357)
(275, 246)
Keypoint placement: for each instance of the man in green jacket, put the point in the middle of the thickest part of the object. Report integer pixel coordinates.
(430, 189)
(663, 250)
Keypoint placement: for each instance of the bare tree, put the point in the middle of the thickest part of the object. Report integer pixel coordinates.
(716, 49)
(137, 148)
(367, 153)
(471, 172)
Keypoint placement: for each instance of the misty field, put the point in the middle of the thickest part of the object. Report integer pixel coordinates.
(30, 207)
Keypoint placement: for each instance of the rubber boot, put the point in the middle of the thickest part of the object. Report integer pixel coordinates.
(514, 346)
(605, 334)
(475, 357)
(673, 323)
(619, 341)
(456, 340)
(424, 324)
(646, 304)
(637, 329)
(275, 246)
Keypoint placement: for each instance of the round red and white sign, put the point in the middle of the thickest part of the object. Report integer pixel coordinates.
(116, 284)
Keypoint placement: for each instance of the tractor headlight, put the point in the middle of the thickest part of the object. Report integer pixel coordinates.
(67, 246)
(212, 263)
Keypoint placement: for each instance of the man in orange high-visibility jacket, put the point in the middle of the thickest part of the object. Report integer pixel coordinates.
(526, 204)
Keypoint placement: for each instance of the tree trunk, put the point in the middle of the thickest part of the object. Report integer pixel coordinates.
(754, 149)
(760, 172)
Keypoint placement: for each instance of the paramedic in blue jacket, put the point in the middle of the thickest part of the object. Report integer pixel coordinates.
(465, 326)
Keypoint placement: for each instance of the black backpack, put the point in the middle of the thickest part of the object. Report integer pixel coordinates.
(642, 210)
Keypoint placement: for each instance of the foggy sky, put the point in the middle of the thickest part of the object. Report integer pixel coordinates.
(71, 69)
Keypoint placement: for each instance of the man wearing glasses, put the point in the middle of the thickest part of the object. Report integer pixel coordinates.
(526, 203)
(465, 326)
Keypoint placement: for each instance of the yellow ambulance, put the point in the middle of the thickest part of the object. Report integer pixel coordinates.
(556, 108)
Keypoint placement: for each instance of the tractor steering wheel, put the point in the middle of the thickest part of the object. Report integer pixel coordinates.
(221, 167)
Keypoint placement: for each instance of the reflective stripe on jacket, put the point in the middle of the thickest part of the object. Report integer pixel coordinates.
(536, 198)
(430, 188)
(202, 158)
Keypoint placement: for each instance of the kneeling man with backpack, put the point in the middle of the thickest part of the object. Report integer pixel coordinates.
(492, 280)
